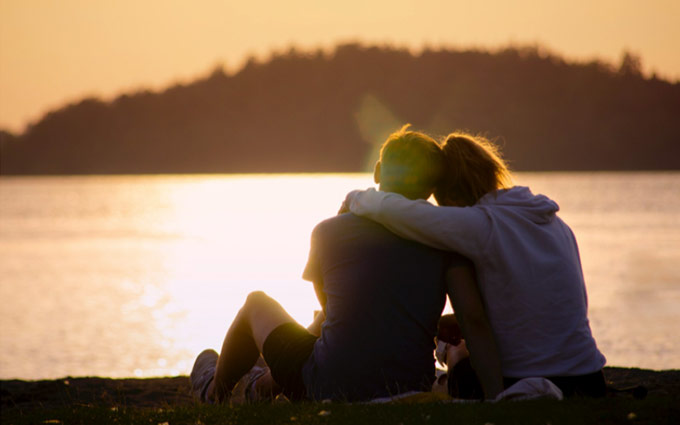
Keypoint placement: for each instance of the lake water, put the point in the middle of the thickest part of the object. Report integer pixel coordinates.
(134, 275)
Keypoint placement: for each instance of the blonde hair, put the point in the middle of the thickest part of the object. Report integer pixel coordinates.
(474, 167)
(411, 162)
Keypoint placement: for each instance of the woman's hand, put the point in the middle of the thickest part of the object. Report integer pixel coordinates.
(344, 208)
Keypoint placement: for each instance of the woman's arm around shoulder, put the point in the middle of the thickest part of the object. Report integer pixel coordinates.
(462, 230)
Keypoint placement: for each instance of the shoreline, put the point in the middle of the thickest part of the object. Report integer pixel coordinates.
(175, 391)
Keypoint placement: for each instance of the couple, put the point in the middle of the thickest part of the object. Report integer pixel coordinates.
(509, 265)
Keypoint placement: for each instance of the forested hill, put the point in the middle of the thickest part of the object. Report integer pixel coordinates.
(304, 112)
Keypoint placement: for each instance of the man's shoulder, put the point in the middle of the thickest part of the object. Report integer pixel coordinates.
(348, 222)
(352, 230)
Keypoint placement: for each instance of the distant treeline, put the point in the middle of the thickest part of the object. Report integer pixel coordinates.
(316, 111)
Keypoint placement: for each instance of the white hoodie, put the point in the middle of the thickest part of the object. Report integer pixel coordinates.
(528, 270)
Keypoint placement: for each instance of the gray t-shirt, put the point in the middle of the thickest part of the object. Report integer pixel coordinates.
(384, 298)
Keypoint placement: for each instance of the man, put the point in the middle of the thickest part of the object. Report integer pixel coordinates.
(381, 296)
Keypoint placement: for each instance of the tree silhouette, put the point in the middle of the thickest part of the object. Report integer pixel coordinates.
(313, 111)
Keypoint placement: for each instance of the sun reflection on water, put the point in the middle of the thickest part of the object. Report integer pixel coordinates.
(144, 272)
(229, 238)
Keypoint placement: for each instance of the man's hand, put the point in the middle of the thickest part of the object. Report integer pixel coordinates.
(456, 353)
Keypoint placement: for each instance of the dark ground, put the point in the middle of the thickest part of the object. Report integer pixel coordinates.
(174, 391)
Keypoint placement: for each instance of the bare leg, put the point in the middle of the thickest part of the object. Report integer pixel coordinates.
(243, 343)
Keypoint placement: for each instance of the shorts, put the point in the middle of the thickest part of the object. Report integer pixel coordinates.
(286, 350)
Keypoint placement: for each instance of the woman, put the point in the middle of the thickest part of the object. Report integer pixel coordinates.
(528, 269)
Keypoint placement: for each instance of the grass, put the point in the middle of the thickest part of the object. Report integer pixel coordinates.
(620, 410)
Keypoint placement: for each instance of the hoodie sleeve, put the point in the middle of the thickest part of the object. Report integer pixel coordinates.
(461, 230)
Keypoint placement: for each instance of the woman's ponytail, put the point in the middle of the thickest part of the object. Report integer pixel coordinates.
(474, 168)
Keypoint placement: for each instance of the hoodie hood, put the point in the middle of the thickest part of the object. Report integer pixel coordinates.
(537, 208)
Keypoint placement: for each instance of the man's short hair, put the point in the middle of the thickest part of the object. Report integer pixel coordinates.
(412, 163)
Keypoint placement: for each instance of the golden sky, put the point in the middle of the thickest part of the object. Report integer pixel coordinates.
(56, 51)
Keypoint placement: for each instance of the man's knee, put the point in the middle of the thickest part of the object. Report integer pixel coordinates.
(257, 299)
(263, 315)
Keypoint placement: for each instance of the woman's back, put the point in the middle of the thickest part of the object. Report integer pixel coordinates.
(530, 277)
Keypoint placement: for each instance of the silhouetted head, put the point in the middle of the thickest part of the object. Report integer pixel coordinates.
(473, 168)
(411, 164)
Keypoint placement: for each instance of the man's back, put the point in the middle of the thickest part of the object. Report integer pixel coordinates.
(384, 298)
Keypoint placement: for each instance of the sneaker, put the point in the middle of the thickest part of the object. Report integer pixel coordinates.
(244, 391)
(203, 373)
